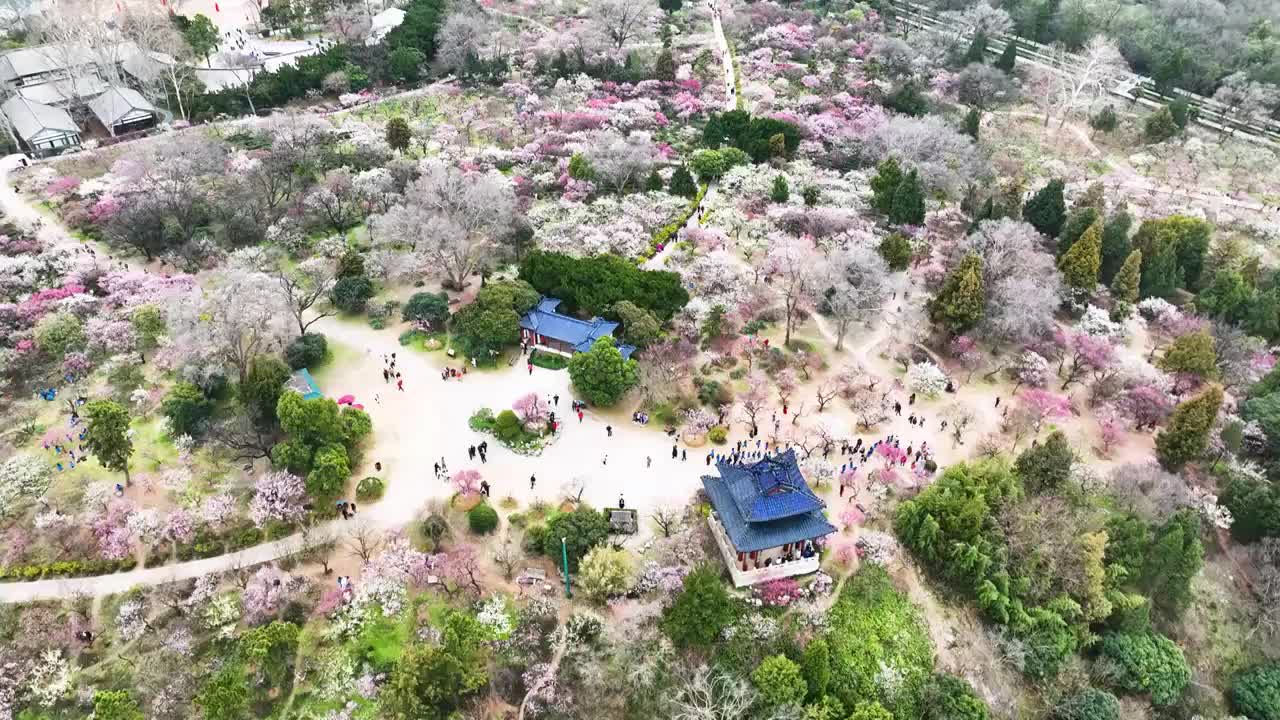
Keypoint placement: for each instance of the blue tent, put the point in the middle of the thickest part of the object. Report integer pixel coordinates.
(302, 383)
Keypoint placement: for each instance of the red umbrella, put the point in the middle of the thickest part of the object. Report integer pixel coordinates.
(346, 399)
(358, 407)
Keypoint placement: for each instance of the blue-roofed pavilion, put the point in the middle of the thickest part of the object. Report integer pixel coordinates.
(546, 328)
(766, 518)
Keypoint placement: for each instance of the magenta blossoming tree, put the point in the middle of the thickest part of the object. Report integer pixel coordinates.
(1083, 353)
(466, 482)
(531, 408)
(1147, 405)
(1045, 405)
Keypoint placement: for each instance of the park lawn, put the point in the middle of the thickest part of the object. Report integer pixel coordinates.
(338, 355)
(153, 449)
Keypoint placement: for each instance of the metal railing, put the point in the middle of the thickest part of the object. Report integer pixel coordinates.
(1131, 86)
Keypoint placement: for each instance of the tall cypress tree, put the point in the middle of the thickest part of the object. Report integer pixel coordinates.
(1009, 57)
(908, 201)
(1047, 209)
(1115, 243)
(1187, 435)
(682, 183)
(1125, 285)
(977, 49)
(1078, 221)
(973, 123)
(1079, 266)
(1160, 276)
(1173, 560)
(885, 183)
(961, 302)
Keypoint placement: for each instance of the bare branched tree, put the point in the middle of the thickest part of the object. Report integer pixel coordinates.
(507, 555)
(305, 285)
(667, 519)
(363, 540)
(621, 20)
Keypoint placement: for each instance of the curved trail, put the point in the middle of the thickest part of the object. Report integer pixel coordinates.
(426, 422)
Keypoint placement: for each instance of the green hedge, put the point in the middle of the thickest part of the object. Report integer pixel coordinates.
(668, 231)
(66, 568)
(550, 361)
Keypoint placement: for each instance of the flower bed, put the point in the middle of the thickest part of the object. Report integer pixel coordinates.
(514, 437)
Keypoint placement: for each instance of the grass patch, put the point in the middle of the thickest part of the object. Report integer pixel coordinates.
(153, 449)
(550, 361)
(382, 639)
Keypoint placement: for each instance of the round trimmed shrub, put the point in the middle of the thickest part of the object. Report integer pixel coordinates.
(1255, 693)
(370, 488)
(507, 427)
(718, 434)
(1089, 704)
(306, 351)
(482, 519)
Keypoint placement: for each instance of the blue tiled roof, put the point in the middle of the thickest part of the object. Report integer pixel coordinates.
(546, 320)
(769, 489)
(734, 496)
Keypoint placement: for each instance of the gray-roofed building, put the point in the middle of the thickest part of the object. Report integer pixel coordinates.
(61, 92)
(766, 520)
(122, 109)
(42, 63)
(43, 129)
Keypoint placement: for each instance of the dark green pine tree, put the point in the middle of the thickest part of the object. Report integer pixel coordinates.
(961, 301)
(1047, 209)
(781, 190)
(1187, 435)
(682, 183)
(885, 184)
(654, 183)
(1160, 274)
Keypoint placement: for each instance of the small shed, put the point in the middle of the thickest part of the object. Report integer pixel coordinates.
(44, 129)
(302, 383)
(122, 110)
